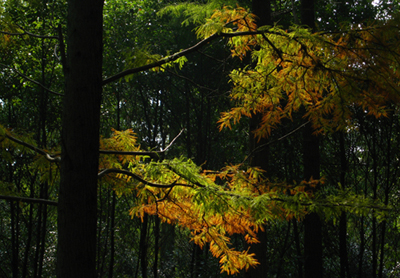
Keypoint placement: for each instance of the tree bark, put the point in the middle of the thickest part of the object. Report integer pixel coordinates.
(77, 203)
(312, 223)
(344, 261)
(262, 9)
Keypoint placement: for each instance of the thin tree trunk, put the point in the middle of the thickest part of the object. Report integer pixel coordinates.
(112, 236)
(143, 246)
(29, 231)
(344, 262)
(298, 249)
(156, 245)
(375, 195)
(14, 239)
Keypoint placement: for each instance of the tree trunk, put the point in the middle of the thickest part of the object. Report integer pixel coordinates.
(312, 223)
(77, 202)
(344, 261)
(262, 9)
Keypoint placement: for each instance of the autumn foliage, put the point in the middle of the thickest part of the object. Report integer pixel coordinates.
(322, 75)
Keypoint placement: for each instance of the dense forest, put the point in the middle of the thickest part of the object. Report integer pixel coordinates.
(158, 138)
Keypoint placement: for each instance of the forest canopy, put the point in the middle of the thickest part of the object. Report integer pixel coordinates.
(232, 140)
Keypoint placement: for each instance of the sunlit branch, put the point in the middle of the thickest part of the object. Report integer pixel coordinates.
(173, 140)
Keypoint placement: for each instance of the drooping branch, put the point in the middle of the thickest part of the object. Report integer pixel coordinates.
(28, 200)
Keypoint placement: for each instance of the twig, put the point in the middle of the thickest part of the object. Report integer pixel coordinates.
(258, 148)
(31, 80)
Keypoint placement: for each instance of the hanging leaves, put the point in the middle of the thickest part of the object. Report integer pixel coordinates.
(325, 73)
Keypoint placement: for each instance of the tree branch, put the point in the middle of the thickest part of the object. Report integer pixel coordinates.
(50, 157)
(180, 54)
(259, 148)
(104, 172)
(29, 200)
(28, 33)
(31, 80)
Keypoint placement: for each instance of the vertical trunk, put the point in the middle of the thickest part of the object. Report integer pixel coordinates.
(112, 236)
(43, 229)
(362, 249)
(77, 215)
(262, 9)
(375, 195)
(156, 245)
(344, 262)
(312, 223)
(299, 255)
(14, 239)
(29, 232)
(143, 246)
(387, 191)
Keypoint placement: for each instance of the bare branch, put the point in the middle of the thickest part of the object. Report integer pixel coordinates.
(28, 200)
(173, 140)
(31, 80)
(259, 148)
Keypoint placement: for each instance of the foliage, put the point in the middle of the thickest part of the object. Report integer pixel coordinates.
(216, 205)
(323, 73)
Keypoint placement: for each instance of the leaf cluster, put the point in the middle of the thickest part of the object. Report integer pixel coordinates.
(325, 74)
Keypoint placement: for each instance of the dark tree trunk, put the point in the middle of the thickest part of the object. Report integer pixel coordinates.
(156, 245)
(143, 246)
(77, 202)
(344, 261)
(262, 9)
(312, 223)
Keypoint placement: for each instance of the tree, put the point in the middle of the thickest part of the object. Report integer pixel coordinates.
(77, 202)
(210, 203)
